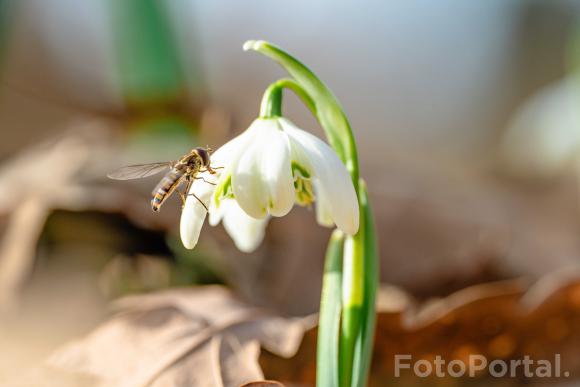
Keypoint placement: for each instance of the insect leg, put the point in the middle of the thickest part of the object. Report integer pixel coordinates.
(212, 170)
(184, 195)
(199, 200)
(201, 178)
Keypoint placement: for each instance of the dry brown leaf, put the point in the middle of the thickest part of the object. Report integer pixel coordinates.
(501, 320)
(65, 173)
(184, 337)
(263, 383)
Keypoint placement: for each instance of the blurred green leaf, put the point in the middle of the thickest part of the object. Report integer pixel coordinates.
(6, 10)
(160, 138)
(146, 52)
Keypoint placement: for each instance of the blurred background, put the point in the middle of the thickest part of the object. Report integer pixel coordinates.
(465, 114)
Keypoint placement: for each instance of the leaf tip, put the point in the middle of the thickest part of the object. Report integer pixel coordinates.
(253, 45)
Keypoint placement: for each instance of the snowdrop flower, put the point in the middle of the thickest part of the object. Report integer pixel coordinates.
(543, 137)
(266, 170)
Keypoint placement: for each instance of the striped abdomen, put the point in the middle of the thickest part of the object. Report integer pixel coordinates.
(166, 187)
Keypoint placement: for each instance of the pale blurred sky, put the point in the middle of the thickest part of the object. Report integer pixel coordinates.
(412, 75)
(405, 71)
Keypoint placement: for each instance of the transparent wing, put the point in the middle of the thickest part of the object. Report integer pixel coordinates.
(139, 171)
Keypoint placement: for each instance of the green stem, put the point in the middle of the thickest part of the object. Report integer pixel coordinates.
(271, 105)
(371, 283)
(327, 108)
(327, 352)
(352, 304)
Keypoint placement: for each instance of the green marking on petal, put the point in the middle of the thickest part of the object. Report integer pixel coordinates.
(223, 190)
(302, 185)
(300, 170)
(305, 195)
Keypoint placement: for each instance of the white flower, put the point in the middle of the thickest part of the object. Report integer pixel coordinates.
(543, 136)
(267, 169)
(246, 231)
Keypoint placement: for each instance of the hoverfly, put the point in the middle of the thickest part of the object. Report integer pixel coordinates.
(185, 169)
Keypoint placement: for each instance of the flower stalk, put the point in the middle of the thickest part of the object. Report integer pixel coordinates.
(330, 311)
(327, 109)
(272, 99)
(347, 312)
(271, 106)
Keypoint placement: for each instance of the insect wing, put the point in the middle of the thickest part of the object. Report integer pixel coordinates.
(139, 171)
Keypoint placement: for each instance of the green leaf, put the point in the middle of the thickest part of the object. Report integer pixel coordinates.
(353, 302)
(360, 282)
(329, 320)
(371, 281)
(6, 22)
(146, 53)
(349, 339)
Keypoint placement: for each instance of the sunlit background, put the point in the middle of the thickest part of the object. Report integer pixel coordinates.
(467, 116)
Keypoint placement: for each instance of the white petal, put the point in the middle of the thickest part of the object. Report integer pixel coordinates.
(216, 213)
(543, 136)
(262, 177)
(335, 190)
(323, 210)
(222, 161)
(193, 213)
(227, 154)
(247, 232)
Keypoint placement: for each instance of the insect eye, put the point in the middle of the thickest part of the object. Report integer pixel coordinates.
(204, 156)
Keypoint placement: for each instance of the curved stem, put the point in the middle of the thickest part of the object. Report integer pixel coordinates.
(271, 105)
(327, 108)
